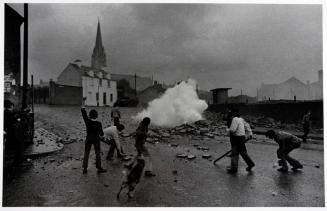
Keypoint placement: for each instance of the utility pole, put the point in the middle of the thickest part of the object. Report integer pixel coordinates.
(135, 84)
(274, 98)
(32, 89)
(98, 100)
(25, 57)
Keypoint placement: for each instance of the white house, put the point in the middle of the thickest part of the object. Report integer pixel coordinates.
(98, 88)
(93, 83)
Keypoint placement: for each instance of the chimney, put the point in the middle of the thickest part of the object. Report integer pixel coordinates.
(78, 62)
(320, 76)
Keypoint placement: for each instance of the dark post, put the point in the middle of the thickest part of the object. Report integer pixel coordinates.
(25, 57)
(135, 84)
(98, 99)
(32, 89)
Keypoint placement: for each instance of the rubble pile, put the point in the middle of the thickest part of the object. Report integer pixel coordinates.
(41, 136)
(262, 121)
(44, 142)
(212, 127)
(268, 122)
(202, 129)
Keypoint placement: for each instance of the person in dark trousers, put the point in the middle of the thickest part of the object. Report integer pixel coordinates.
(140, 138)
(111, 134)
(238, 129)
(228, 118)
(287, 142)
(9, 121)
(115, 115)
(306, 125)
(94, 133)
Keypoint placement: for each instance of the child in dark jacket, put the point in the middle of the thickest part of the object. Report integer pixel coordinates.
(287, 143)
(94, 134)
(140, 138)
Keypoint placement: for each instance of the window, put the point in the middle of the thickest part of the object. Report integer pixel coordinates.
(97, 96)
(104, 98)
(108, 84)
(100, 82)
(111, 98)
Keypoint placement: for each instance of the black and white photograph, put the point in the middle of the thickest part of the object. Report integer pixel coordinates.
(162, 104)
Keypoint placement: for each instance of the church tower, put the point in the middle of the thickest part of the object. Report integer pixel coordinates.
(98, 55)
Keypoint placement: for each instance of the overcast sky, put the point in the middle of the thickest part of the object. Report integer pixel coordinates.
(219, 45)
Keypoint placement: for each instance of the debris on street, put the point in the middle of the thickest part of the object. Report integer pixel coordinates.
(44, 142)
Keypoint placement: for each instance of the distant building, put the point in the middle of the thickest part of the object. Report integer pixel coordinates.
(42, 83)
(125, 90)
(150, 93)
(220, 95)
(141, 82)
(12, 55)
(315, 89)
(242, 99)
(292, 89)
(93, 83)
(205, 95)
(41, 92)
(97, 86)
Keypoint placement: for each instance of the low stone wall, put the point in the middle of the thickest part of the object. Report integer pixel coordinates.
(288, 112)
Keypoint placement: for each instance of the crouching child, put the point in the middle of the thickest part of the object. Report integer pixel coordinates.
(111, 134)
(287, 143)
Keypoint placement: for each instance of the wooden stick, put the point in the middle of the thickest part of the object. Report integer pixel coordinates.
(225, 154)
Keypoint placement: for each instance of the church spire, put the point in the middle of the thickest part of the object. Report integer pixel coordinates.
(98, 41)
(99, 55)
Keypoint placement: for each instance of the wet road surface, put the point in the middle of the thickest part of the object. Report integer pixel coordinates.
(57, 179)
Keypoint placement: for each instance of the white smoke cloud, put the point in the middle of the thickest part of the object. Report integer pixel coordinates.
(178, 105)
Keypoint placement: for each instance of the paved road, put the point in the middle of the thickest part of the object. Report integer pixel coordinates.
(57, 179)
